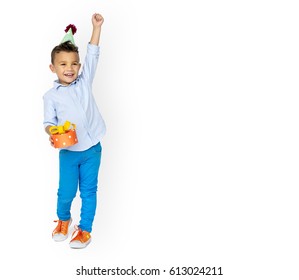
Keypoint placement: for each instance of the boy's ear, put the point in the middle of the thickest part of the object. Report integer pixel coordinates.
(52, 68)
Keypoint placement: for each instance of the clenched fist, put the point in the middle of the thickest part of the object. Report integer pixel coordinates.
(97, 20)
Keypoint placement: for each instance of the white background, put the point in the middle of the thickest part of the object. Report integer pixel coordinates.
(200, 160)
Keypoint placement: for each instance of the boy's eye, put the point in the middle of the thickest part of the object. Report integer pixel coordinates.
(62, 64)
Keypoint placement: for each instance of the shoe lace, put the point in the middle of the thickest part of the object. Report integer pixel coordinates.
(78, 230)
(62, 226)
(79, 234)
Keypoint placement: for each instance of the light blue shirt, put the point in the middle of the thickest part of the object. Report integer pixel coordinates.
(75, 103)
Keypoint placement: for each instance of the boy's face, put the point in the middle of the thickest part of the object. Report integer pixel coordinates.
(66, 66)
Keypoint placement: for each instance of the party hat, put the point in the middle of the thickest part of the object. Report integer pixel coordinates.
(70, 31)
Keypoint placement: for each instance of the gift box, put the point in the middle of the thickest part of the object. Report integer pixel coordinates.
(64, 136)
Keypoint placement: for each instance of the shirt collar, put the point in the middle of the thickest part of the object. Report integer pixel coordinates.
(57, 84)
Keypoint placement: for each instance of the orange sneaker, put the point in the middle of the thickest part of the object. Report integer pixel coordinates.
(80, 238)
(61, 231)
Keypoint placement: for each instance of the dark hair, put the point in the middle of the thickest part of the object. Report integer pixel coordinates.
(67, 46)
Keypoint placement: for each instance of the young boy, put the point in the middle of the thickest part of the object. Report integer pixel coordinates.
(71, 99)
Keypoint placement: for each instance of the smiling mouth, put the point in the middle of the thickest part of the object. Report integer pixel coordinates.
(69, 75)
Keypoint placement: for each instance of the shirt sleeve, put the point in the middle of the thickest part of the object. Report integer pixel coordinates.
(90, 63)
(50, 117)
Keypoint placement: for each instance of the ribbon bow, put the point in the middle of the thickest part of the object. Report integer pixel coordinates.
(61, 129)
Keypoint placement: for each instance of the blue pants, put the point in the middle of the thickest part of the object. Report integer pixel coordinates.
(79, 169)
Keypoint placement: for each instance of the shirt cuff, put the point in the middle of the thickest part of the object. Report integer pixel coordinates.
(48, 123)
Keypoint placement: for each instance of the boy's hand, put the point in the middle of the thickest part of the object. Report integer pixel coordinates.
(97, 20)
(47, 129)
(51, 141)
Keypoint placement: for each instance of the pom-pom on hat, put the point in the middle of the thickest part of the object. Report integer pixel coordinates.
(70, 31)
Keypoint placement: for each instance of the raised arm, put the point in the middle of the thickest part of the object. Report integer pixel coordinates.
(97, 21)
